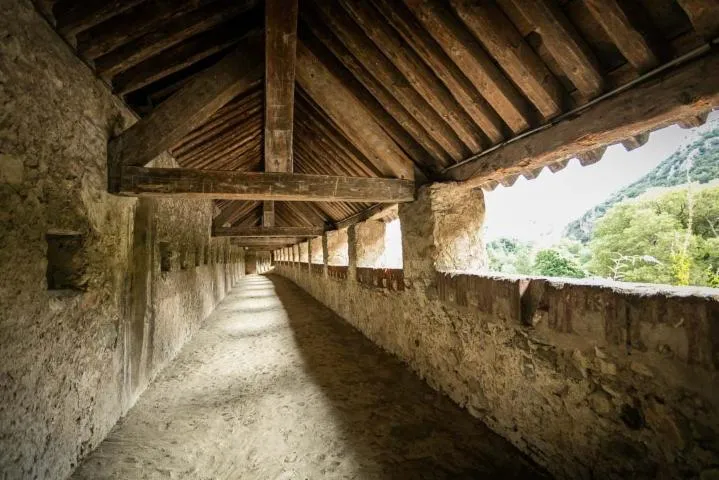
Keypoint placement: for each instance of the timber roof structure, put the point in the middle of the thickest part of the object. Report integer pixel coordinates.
(329, 109)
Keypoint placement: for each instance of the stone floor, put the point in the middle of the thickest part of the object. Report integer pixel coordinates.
(276, 386)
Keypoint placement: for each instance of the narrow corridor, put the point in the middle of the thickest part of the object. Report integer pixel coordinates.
(277, 386)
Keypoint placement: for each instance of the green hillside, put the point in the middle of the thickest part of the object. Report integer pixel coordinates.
(702, 154)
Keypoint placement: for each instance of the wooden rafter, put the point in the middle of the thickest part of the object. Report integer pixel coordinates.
(185, 110)
(280, 57)
(214, 184)
(685, 92)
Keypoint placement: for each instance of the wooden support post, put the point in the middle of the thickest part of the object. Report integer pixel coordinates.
(280, 57)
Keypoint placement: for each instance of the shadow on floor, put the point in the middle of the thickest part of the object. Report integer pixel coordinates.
(396, 426)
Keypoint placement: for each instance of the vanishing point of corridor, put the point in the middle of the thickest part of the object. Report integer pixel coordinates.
(277, 386)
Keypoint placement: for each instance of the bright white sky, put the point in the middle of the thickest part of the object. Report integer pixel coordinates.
(538, 210)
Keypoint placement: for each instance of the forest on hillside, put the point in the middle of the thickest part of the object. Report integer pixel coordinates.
(663, 228)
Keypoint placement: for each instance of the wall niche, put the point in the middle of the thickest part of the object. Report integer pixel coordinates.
(66, 264)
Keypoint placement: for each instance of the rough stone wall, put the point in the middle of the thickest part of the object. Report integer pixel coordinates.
(304, 251)
(73, 361)
(591, 381)
(316, 256)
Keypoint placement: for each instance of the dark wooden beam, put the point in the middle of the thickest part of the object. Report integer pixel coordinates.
(686, 91)
(351, 116)
(171, 33)
(459, 45)
(618, 26)
(188, 183)
(178, 57)
(502, 40)
(280, 57)
(74, 16)
(565, 45)
(704, 15)
(268, 243)
(267, 232)
(186, 109)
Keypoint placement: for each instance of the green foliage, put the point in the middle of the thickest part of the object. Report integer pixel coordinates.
(703, 155)
(660, 239)
(508, 255)
(551, 263)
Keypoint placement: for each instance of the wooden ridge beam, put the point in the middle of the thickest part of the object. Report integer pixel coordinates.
(74, 16)
(686, 91)
(267, 232)
(280, 58)
(185, 110)
(220, 184)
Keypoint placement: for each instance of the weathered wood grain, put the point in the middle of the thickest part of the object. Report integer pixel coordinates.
(264, 232)
(687, 91)
(189, 183)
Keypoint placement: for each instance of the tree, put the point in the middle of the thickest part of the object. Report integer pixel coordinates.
(509, 255)
(661, 238)
(551, 263)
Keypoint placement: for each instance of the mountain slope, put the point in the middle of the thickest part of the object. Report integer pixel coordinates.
(703, 156)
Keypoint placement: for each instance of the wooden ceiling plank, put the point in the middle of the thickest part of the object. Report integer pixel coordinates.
(423, 150)
(460, 87)
(233, 154)
(459, 45)
(619, 27)
(240, 131)
(73, 16)
(686, 91)
(186, 109)
(363, 215)
(280, 58)
(502, 40)
(213, 135)
(214, 184)
(704, 15)
(384, 71)
(419, 75)
(351, 117)
(331, 131)
(564, 44)
(177, 58)
(407, 125)
(131, 24)
(229, 211)
(265, 232)
(171, 33)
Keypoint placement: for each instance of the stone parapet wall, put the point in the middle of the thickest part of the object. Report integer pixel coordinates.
(592, 381)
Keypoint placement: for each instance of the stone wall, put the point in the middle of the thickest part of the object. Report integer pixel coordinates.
(138, 280)
(591, 380)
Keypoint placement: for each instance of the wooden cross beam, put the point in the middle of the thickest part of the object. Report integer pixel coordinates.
(267, 232)
(231, 185)
(185, 110)
(280, 57)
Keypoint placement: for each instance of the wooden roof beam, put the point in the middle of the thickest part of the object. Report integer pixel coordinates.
(502, 40)
(565, 45)
(352, 118)
(230, 185)
(185, 110)
(74, 16)
(684, 92)
(280, 57)
(618, 26)
(459, 45)
(267, 232)
(704, 15)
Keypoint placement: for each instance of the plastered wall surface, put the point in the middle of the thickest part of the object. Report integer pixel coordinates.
(73, 361)
(592, 381)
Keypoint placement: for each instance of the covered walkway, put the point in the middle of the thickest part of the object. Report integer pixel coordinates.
(277, 386)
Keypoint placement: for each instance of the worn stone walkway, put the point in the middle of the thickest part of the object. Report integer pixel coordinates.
(276, 386)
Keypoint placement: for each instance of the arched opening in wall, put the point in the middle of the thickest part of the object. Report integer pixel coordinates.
(379, 242)
(642, 215)
(337, 248)
(392, 257)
